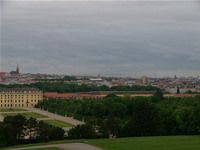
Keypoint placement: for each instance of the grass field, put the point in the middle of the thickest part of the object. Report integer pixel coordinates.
(136, 143)
(49, 148)
(149, 143)
(12, 110)
(27, 115)
(58, 123)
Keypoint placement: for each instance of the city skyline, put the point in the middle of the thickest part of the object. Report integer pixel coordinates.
(113, 38)
(16, 73)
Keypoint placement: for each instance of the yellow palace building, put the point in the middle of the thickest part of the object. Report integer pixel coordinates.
(20, 97)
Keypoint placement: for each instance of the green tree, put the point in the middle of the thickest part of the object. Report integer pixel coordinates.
(56, 133)
(84, 131)
(145, 120)
(98, 110)
(158, 95)
(195, 120)
(178, 90)
(43, 131)
(3, 138)
(119, 109)
(112, 125)
(31, 128)
(15, 127)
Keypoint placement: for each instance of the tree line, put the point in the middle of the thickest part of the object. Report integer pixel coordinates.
(112, 116)
(73, 88)
(20, 130)
(130, 116)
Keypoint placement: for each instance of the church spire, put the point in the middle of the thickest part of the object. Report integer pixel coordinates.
(175, 77)
(17, 70)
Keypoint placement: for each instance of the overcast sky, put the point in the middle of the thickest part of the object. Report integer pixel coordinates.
(114, 38)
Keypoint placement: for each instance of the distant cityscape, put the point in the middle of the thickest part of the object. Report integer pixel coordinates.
(100, 75)
(169, 84)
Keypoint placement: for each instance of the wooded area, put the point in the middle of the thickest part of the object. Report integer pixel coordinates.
(137, 116)
(73, 88)
(20, 130)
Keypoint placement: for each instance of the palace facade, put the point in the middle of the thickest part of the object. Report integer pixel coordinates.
(20, 97)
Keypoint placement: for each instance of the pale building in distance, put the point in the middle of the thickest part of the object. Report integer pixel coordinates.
(20, 97)
(145, 80)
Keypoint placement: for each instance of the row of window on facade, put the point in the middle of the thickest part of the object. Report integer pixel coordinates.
(21, 91)
(15, 101)
(16, 105)
(7, 96)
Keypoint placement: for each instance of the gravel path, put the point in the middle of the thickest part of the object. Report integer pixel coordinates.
(54, 116)
(68, 146)
(51, 116)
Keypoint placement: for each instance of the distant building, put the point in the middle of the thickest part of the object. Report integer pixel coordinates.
(175, 77)
(145, 80)
(101, 94)
(20, 97)
(96, 79)
(48, 95)
(15, 72)
(2, 74)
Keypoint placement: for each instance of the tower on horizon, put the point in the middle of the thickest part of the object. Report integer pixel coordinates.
(175, 77)
(17, 70)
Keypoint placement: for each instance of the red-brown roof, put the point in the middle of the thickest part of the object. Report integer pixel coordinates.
(67, 95)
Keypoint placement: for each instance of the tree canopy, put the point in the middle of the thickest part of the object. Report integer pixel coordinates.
(18, 130)
(62, 87)
(133, 116)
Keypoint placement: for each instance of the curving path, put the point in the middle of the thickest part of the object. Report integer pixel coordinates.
(68, 146)
(51, 116)
(54, 116)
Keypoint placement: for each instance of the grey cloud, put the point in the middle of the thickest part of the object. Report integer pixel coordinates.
(114, 38)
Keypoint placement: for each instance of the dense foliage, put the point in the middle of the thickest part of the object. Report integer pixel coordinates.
(138, 116)
(62, 87)
(84, 131)
(18, 129)
(191, 92)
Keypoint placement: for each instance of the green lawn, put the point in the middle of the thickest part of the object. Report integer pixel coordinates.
(12, 110)
(27, 115)
(58, 123)
(149, 143)
(49, 148)
(136, 143)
